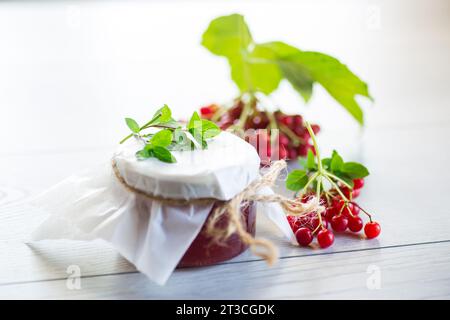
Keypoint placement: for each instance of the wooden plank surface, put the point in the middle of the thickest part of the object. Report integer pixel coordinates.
(418, 271)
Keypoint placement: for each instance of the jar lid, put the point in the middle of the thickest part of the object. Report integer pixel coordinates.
(221, 171)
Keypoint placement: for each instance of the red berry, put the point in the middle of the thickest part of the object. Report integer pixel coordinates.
(293, 222)
(284, 140)
(348, 210)
(372, 229)
(315, 128)
(235, 112)
(330, 213)
(358, 183)
(303, 150)
(260, 121)
(304, 236)
(299, 131)
(339, 223)
(298, 120)
(355, 224)
(355, 193)
(325, 238)
(208, 110)
(315, 222)
(292, 153)
(355, 210)
(306, 197)
(338, 204)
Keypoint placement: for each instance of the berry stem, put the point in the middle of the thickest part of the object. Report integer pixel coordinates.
(338, 179)
(291, 134)
(337, 188)
(246, 110)
(368, 214)
(311, 179)
(319, 214)
(316, 148)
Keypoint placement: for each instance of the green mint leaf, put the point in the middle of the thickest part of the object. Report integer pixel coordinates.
(172, 124)
(162, 138)
(311, 161)
(296, 180)
(162, 115)
(336, 162)
(133, 125)
(209, 129)
(163, 154)
(194, 122)
(355, 170)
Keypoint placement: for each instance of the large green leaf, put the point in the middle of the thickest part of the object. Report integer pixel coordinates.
(252, 66)
(303, 68)
(261, 67)
(297, 74)
(342, 84)
(227, 36)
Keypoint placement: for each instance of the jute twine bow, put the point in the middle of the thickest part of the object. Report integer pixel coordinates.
(260, 247)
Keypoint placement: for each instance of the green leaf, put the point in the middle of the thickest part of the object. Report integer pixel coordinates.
(162, 138)
(256, 70)
(296, 180)
(336, 163)
(209, 129)
(298, 75)
(252, 66)
(195, 121)
(133, 125)
(173, 124)
(163, 154)
(162, 115)
(355, 170)
(345, 177)
(227, 36)
(326, 163)
(311, 160)
(342, 84)
(302, 162)
(303, 68)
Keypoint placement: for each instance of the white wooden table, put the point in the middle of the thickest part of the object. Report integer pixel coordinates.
(65, 86)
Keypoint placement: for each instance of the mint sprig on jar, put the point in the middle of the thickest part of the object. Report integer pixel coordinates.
(336, 183)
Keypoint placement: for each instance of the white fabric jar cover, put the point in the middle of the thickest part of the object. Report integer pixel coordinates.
(150, 234)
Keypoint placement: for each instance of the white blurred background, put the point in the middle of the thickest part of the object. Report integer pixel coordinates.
(70, 71)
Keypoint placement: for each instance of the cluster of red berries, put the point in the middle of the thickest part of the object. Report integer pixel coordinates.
(293, 140)
(340, 215)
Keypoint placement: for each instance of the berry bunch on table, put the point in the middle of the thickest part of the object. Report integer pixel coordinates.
(336, 184)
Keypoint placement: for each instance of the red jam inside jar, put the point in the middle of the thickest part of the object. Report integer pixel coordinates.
(205, 251)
